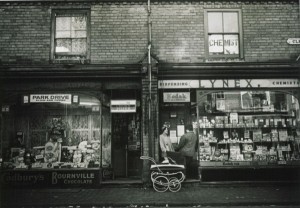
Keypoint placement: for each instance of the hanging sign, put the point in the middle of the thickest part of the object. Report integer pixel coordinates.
(178, 84)
(173, 97)
(123, 106)
(50, 98)
(293, 41)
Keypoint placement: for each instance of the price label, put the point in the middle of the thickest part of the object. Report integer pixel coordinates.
(281, 162)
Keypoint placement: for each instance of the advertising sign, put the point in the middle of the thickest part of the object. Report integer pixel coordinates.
(229, 83)
(51, 98)
(176, 97)
(51, 178)
(178, 84)
(123, 106)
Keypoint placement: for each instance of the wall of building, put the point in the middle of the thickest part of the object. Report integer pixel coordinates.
(119, 30)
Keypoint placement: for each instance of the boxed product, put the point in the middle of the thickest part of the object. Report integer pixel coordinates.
(225, 135)
(274, 135)
(249, 121)
(257, 135)
(247, 147)
(283, 135)
(248, 156)
(266, 137)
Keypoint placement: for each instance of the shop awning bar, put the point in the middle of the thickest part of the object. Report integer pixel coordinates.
(229, 70)
(71, 71)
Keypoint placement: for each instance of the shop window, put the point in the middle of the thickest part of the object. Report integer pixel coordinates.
(223, 34)
(59, 130)
(248, 128)
(70, 36)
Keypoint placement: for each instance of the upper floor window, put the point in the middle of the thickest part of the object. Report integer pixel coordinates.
(224, 33)
(70, 36)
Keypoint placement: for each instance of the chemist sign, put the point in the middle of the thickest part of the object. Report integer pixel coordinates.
(49, 98)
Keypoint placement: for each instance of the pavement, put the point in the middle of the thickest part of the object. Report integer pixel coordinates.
(225, 195)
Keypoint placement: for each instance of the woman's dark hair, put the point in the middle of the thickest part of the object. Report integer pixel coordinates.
(164, 128)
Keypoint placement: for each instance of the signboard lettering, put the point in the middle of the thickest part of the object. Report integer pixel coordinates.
(38, 178)
(72, 178)
(230, 83)
(177, 97)
(293, 41)
(123, 106)
(178, 84)
(50, 98)
(8, 178)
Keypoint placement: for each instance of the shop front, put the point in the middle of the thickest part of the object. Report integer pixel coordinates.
(248, 129)
(71, 135)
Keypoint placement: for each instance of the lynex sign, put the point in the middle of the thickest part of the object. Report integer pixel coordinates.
(229, 83)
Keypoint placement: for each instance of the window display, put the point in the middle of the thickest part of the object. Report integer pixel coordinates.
(56, 135)
(248, 127)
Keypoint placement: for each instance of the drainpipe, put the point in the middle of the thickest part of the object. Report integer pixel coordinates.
(151, 140)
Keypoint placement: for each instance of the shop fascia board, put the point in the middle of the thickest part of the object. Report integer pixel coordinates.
(229, 70)
(98, 0)
(71, 71)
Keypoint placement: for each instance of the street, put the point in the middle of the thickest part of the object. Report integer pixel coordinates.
(247, 195)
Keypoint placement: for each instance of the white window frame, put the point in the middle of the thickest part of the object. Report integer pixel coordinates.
(86, 58)
(240, 34)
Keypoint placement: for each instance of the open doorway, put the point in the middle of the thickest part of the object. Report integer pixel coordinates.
(126, 145)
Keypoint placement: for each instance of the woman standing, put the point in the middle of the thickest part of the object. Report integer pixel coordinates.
(165, 144)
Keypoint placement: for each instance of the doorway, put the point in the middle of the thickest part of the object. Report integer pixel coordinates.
(126, 145)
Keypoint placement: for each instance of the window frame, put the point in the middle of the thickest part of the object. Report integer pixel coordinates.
(53, 34)
(240, 34)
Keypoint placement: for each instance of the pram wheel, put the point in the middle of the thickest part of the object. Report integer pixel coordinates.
(160, 183)
(174, 184)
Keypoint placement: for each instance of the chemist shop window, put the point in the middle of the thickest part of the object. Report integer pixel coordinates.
(70, 36)
(223, 34)
(252, 127)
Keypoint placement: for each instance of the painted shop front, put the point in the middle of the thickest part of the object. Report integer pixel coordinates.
(62, 134)
(248, 129)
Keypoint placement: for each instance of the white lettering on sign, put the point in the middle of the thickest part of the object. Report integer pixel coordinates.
(293, 41)
(50, 98)
(123, 106)
(72, 178)
(21, 178)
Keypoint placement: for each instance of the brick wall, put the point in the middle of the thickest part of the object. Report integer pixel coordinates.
(118, 33)
(119, 30)
(24, 33)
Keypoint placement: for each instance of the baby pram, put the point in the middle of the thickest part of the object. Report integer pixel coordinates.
(166, 176)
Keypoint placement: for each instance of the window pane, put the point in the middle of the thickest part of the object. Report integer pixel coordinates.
(79, 23)
(63, 45)
(63, 26)
(215, 22)
(215, 44)
(79, 46)
(231, 44)
(63, 34)
(71, 35)
(230, 22)
(78, 34)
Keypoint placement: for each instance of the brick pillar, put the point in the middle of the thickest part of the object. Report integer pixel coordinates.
(149, 126)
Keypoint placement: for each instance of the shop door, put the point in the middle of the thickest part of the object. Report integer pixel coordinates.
(126, 145)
